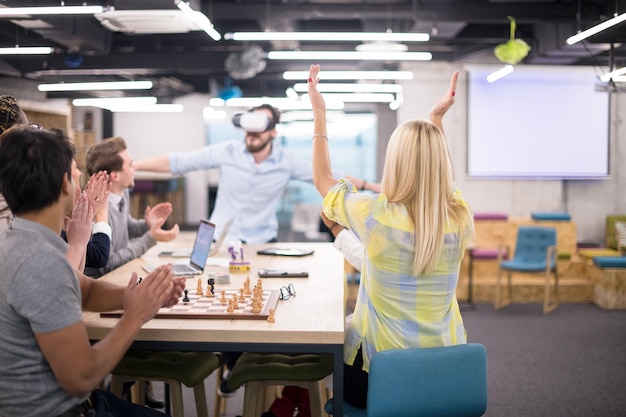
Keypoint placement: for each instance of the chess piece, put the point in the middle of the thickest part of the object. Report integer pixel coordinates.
(199, 288)
(242, 297)
(235, 301)
(186, 297)
(231, 308)
(210, 290)
(223, 299)
(271, 318)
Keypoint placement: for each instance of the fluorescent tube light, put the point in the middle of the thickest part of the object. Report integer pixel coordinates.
(350, 55)
(357, 97)
(199, 19)
(282, 103)
(596, 29)
(351, 75)
(20, 11)
(114, 101)
(350, 88)
(502, 72)
(27, 50)
(328, 36)
(114, 85)
(151, 108)
(209, 113)
(615, 75)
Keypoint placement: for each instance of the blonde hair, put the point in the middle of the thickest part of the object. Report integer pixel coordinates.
(418, 174)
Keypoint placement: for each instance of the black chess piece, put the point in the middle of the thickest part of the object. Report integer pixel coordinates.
(186, 297)
(211, 283)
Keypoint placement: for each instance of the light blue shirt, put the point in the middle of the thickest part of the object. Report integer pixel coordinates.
(247, 192)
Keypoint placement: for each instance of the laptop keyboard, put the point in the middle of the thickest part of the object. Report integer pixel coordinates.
(184, 269)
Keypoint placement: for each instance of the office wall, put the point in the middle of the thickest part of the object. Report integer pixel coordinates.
(587, 201)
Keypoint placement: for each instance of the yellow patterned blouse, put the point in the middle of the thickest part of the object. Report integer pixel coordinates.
(394, 308)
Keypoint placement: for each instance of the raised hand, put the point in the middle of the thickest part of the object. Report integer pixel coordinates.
(317, 101)
(446, 101)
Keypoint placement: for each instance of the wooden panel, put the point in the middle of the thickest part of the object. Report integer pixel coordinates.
(494, 233)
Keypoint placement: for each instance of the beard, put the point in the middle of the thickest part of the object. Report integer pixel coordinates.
(255, 146)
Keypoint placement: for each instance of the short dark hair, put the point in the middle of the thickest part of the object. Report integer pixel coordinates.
(104, 155)
(33, 163)
(275, 112)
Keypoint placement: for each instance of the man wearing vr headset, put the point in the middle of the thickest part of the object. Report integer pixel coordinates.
(253, 175)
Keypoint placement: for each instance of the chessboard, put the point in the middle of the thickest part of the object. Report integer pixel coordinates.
(216, 307)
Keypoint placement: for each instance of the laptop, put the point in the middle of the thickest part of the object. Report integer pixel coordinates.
(199, 253)
(215, 248)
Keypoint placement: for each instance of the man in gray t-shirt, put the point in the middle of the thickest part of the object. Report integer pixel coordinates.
(48, 365)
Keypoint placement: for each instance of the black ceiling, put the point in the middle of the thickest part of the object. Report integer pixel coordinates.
(461, 31)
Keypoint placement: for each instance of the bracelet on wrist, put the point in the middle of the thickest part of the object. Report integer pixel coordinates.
(320, 135)
(363, 186)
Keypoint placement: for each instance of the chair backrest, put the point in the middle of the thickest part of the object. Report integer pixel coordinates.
(610, 235)
(429, 382)
(532, 243)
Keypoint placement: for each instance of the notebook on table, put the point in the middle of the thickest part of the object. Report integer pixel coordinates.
(199, 253)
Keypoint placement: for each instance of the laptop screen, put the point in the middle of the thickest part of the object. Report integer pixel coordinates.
(202, 245)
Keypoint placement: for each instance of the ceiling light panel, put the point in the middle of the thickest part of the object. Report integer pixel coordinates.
(351, 75)
(328, 36)
(349, 56)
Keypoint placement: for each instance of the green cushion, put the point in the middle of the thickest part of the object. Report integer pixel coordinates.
(611, 240)
(563, 255)
(278, 366)
(591, 253)
(190, 368)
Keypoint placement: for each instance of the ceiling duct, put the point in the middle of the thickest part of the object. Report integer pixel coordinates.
(146, 21)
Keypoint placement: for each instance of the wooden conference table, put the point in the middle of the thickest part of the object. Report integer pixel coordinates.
(311, 322)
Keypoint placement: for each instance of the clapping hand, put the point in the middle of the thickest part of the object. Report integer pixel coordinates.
(155, 218)
(78, 226)
(97, 190)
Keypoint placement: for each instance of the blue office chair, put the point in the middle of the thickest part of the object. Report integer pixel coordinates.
(426, 382)
(535, 251)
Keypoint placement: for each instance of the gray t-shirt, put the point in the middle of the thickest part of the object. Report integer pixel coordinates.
(39, 293)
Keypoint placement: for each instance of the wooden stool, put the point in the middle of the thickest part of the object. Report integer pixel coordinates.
(173, 368)
(259, 371)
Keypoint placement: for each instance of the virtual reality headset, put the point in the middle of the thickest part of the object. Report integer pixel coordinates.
(253, 121)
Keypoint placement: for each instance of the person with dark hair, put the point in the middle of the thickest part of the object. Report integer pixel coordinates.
(49, 366)
(130, 237)
(414, 234)
(10, 114)
(253, 176)
(88, 243)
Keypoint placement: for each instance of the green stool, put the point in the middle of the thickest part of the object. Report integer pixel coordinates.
(173, 368)
(258, 371)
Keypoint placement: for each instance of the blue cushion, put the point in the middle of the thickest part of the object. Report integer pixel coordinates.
(610, 261)
(551, 216)
(438, 381)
